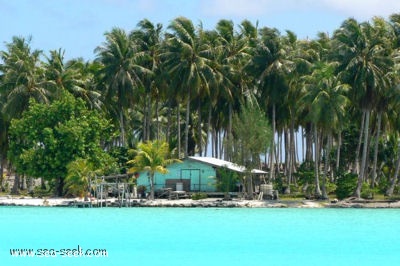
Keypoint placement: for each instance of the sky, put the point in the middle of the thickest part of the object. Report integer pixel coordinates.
(78, 26)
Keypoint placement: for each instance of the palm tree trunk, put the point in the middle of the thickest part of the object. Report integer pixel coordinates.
(208, 131)
(303, 143)
(144, 120)
(30, 184)
(215, 149)
(158, 120)
(149, 115)
(326, 166)
(168, 133)
(23, 182)
(221, 143)
(271, 157)
(288, 159)
(309, 143)
(279, 152)
(296, 148)
(214, 140)
(378, 132)
(151, 185)
(178, 114)
(356, 166)
(290, 155)
(15, 189)
(250, 190)
(1, 173)
(60, 186)
(122, 125)
(339, 146)
(293, 145)
(187, 122)
(42, 183)
(316, 163)
(199, 142)
(364, 155)
(393, 181)
(228, 147)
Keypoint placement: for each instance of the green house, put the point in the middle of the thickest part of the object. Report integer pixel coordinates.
(192, 175)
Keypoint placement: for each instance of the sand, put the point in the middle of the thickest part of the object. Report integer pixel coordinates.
(209, 202)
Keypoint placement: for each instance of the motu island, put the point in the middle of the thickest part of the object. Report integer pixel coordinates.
(240, 115)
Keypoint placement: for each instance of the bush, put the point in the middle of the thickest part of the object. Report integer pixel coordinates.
(199, 195)
(330, 187)
(279, 184)
(367, 192)
(40, 192)
(141, 190)
(227, 180)
(346, 185)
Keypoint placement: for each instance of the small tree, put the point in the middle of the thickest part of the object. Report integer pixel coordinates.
(81, 170)
(227, 180)
(251, 137)
(78, 178)
(49, 137)
(151, 156)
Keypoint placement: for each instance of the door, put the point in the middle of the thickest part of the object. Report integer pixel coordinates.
(194, 176)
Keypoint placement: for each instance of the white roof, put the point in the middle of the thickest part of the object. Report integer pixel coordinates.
(223, 163)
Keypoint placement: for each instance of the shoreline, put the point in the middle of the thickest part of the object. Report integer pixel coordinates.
(203, 203)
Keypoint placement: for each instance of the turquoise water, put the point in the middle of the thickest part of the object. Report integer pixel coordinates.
(203, 236)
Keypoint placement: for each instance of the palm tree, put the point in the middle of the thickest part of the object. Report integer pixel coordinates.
(4, 124)
(326, 103)
(364, 63)
(121, 73)
(394, 102)
(148, 40)
(298, 54)
(271, 64)
(385, 91)
(23, 77)
(186, 57)
(75, 76)
(151, 156)
(233, 52)
(77, 181)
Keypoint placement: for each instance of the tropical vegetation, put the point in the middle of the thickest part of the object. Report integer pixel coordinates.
(152, 157)
(320, 111)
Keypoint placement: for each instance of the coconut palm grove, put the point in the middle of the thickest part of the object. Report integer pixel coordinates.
(321, 115)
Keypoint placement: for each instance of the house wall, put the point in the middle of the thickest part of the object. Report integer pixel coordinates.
(202, 176)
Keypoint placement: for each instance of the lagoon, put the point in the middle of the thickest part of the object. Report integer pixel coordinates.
(202, 236)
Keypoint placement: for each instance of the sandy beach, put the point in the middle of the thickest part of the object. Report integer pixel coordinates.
(209, 202)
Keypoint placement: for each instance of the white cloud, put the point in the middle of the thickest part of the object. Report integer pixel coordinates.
(238, 7)
(146, 5)
(360, 9)
(364, 9)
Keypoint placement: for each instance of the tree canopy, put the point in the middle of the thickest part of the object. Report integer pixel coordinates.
(49, 137)
(188, 87)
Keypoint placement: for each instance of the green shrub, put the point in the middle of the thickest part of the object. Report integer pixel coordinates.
(294, 189)
(383, 184)
(227, 180)
(199, 195)
(279, 183)
(330, 187)
(346, 185)
(367, 192)
(305, 173)
(40, 192)
(141, 190)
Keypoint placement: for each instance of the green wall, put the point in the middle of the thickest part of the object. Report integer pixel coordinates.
(202, 176)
